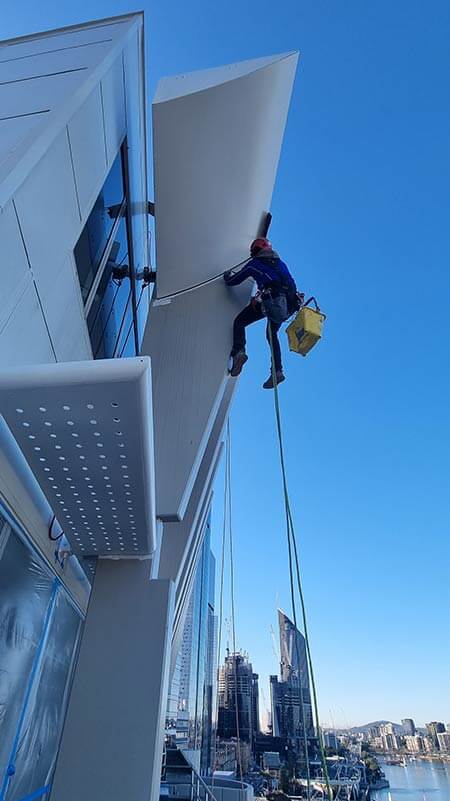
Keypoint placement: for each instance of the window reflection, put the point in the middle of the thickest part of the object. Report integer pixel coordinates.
(92, 243)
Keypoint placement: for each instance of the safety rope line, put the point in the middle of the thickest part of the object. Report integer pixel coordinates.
(233, 617)
(300, 689)
(202, 283)
(290, 531)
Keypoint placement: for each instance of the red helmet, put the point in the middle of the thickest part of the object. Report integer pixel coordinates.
(261, 243)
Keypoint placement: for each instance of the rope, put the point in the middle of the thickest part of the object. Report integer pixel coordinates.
(292, 546)
(202, 283)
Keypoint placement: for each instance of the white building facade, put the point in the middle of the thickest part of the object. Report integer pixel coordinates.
(113, 388)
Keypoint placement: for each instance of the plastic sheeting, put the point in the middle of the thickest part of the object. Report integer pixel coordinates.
(38, 635)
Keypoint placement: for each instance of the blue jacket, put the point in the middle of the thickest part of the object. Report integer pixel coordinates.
(267, 269)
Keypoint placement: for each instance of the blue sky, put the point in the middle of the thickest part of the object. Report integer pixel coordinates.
(361, 214)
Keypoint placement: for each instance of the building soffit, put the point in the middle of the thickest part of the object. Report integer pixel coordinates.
(86, 431)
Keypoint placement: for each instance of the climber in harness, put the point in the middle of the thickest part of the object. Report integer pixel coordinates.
(277, 299)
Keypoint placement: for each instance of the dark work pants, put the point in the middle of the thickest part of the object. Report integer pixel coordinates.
(251, 314)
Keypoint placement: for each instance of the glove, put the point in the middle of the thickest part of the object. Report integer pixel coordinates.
(227, 275)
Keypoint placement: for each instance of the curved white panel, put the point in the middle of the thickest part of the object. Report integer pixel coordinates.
(189, 340)
(216, 152)
(178, 546)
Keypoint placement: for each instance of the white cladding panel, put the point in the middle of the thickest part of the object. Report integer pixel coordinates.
(87, 146)
(136, 133)
(39, 94)
(189, 340)
(80, 39)
(113, 93)
(52, 63)
(24, 339)
(62, 306)
(216, 152)
(54, 178)
(45, 80)
(189, 82)
(48, 210)
(177, 540)
(15, 129)
(13, 264)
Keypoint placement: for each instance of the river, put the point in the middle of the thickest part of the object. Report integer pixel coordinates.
(418, 781)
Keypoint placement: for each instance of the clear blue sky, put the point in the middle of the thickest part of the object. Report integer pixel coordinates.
(361, 213)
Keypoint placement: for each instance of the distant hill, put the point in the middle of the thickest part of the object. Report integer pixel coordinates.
(366, 728)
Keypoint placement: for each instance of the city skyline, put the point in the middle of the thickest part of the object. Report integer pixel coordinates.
(359, 213)
(332, 720)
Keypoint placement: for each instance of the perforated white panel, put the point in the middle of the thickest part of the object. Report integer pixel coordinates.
(85, 429)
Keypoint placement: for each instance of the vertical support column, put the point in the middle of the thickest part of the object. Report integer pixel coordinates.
(112, 742)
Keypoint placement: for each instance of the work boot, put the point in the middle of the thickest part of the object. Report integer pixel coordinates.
(280, 377)
(239, 360)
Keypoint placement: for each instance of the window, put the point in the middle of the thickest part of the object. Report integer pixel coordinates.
(104, 260)
(92, 244)
(39, 631)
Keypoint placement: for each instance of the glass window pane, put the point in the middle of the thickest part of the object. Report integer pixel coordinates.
(25, 591)
(91, 245)
(110, 318)
(41, 730)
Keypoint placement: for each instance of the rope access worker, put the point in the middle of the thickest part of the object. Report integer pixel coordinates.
(277, 298)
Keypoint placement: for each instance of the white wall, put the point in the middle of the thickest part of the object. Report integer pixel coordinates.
(53, 164)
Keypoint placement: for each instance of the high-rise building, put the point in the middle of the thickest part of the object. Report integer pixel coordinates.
(293, 662)
(414, 743)
(330, 740)
(409, 727)
(444, 741)
(433, 729)
(290, 695)
(238, 699)
(387, 728)
(107, 463)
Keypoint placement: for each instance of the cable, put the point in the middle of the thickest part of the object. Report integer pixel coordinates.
(144, 286)
(292, 543)
(202, 283)
(50, 529)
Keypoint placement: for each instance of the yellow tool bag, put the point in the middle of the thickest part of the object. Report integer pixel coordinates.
(305, 329)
